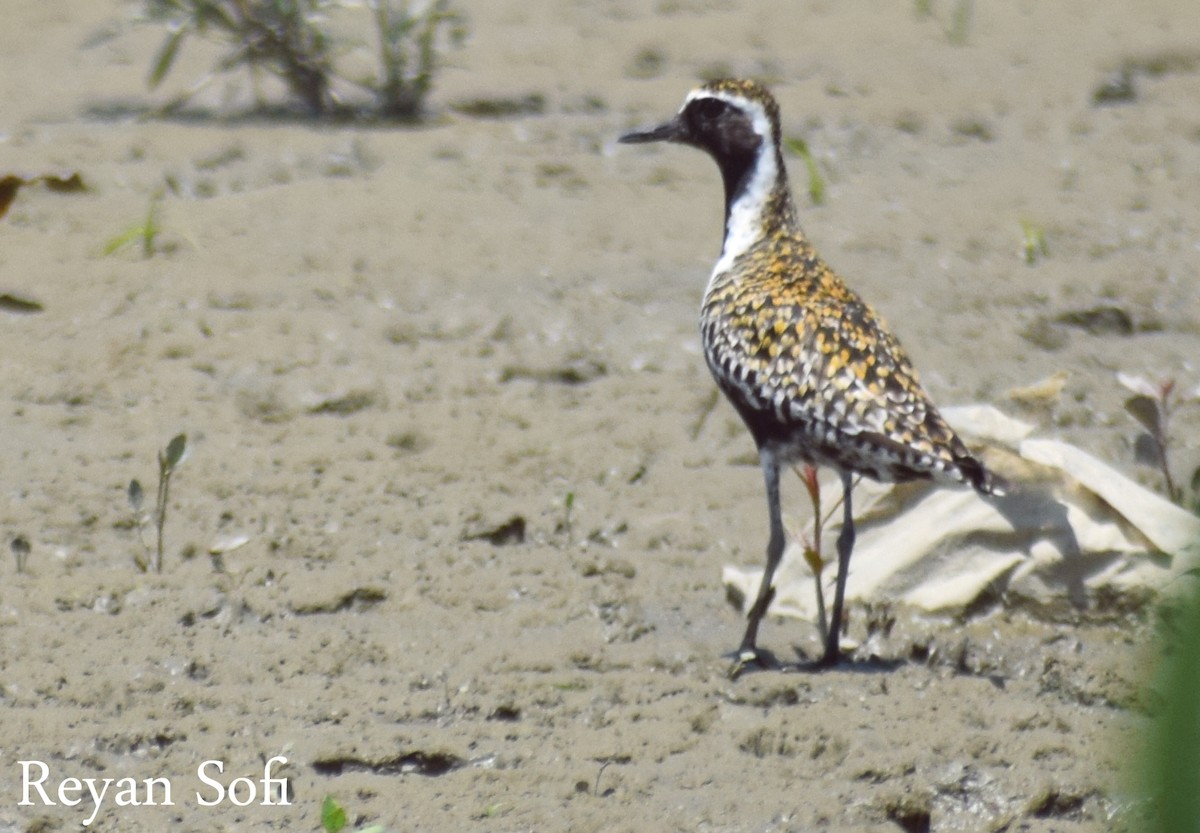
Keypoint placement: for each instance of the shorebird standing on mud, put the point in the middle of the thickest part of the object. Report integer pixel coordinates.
(811, 369)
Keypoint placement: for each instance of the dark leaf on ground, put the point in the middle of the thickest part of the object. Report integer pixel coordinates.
(511, 531)
(1102, 320)
(59, 183)
(10, 302)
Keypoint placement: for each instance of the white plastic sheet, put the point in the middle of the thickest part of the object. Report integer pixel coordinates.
(1071, 527)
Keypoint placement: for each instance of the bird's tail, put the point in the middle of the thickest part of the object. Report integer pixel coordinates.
(983, 479)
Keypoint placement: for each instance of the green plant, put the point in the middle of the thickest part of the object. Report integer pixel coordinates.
(960, 22)
(333, 815)
(146, 232)
(1171, 757)
(1033, 242)
(408, 53)
(1151, 405)
(168, 460)
(568, 505)
(290, 39)
(816, 182)
(333, 818)
(279, 35)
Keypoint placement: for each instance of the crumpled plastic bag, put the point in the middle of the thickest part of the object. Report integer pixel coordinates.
(1073, 530)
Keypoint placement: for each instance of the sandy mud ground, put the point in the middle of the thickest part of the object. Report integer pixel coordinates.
(397, 352)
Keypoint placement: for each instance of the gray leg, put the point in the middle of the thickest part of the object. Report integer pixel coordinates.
(845, 545)
(748, 651)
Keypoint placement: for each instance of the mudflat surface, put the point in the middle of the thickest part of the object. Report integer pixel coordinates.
(396, 353)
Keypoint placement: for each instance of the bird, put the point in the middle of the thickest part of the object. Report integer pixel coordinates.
(812, 370)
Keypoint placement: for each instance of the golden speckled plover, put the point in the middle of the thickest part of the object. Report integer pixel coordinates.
(810, 368)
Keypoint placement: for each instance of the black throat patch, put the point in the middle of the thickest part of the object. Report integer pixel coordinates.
(726, 132)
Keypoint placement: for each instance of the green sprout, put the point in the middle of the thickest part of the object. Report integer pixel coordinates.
(334, 820)
(960, 23)
(816, 182)
(333, 815)
(168, 460)
(1033, 242)
(146, 233)
(568, 505)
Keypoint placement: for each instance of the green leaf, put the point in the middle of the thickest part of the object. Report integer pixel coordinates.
(960, 23)
(333, 816)
(175, 450)
(816, 182)
(1171, 755)
(1147, 412)
(814, 561)
(18, 304)
(1033, 244)
(166, 56)
(124, 239)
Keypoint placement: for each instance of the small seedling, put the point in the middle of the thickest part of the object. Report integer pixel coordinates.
(20, 550)
(1151, 405)
(1033, 245)
(146, 234)
(960, 22)
(334, 820)
(816, 182)
(568, 505)
(333, 815)
(168, 460)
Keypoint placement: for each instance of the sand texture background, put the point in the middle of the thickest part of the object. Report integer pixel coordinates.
(397, 351)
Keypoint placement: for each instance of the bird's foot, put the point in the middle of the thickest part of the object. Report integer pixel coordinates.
(830, 659)
(747, 657)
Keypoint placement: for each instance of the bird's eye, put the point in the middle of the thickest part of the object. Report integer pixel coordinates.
(709, 108)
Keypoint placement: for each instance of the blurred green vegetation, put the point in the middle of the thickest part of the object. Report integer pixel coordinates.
(1169, 772)
(292, 40)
